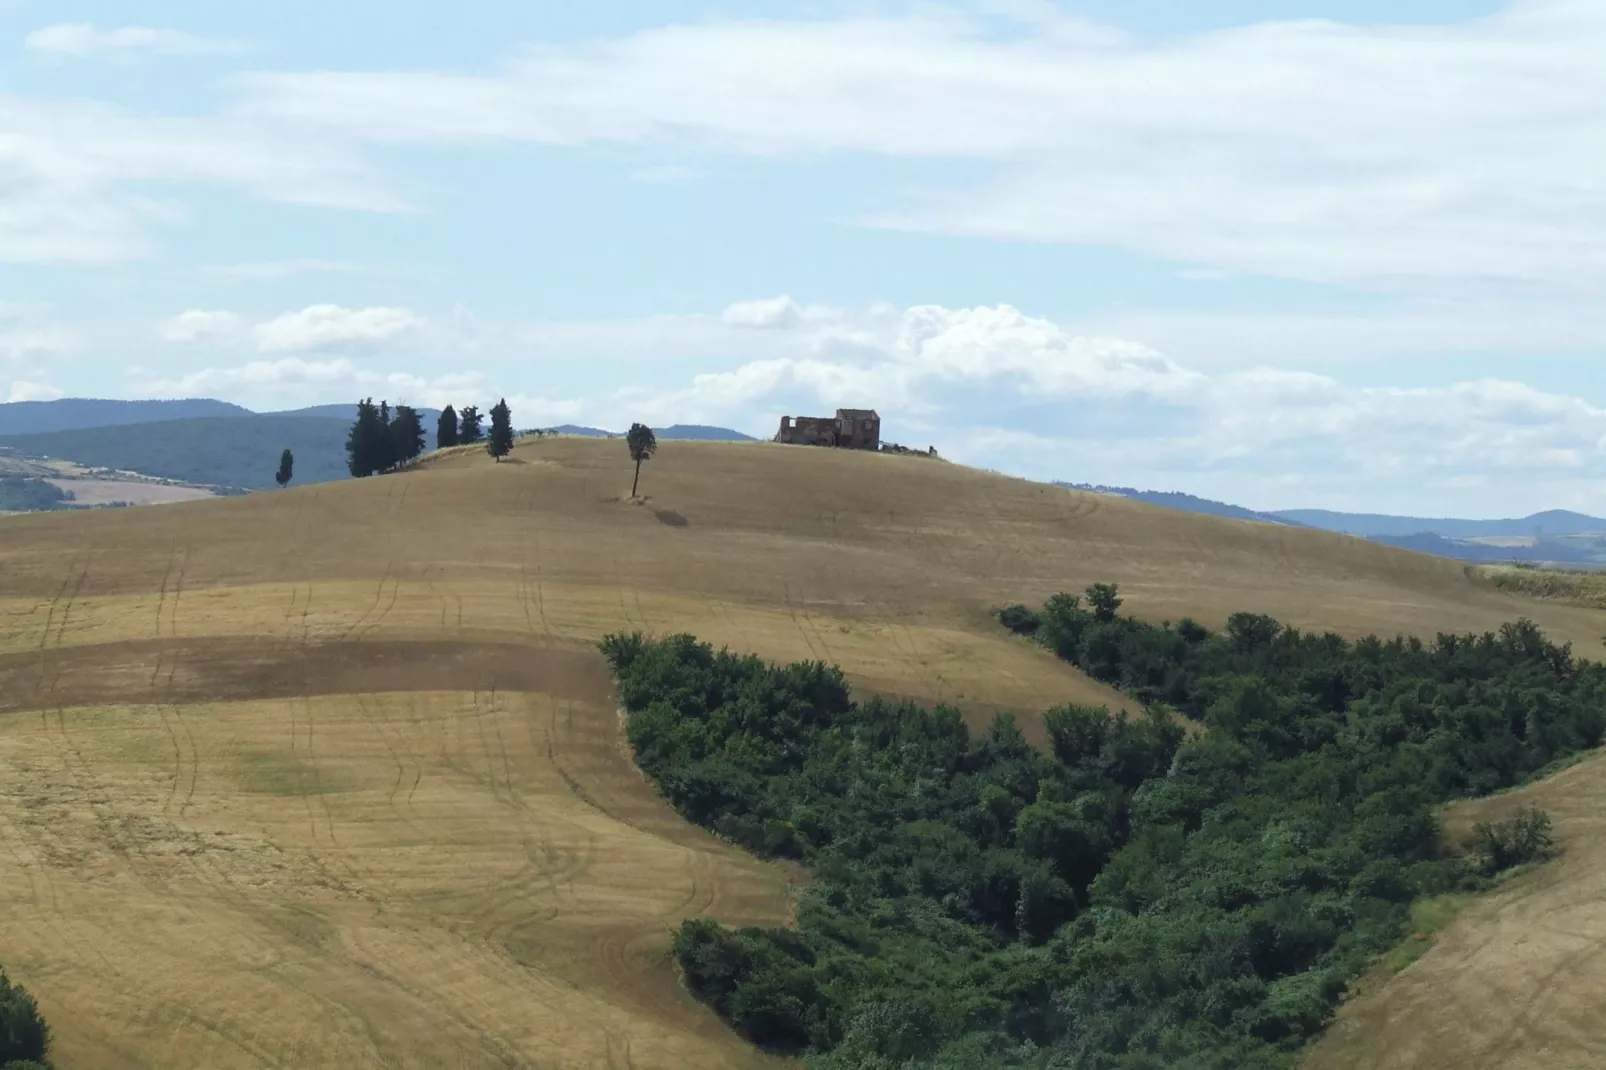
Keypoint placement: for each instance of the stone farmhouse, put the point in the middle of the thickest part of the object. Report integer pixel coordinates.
(850, 429)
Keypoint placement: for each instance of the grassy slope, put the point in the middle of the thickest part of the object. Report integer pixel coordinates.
(223, 451)
(333, 774)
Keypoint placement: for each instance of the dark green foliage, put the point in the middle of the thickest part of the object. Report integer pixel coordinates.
(287, 469)
(24, 1036)
(31, 494)
(500, 443)
(368, 446)
(643, 444)
(406, 434)
(1127, 898)
(468, 426)
(1019, 619)
(446, 428)
(1514, 842)
(223, 451)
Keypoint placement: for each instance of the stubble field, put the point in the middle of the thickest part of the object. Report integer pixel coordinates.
(333, 776)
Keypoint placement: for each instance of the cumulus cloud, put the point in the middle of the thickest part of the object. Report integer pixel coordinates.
(1312, 149)
(771, 312)
(26, 390)
(84, 39)
(333, 327)
(198, 325)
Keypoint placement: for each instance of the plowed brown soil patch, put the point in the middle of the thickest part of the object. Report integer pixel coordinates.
(333, 776)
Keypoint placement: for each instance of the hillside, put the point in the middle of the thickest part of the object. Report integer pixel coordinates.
(225, 451)
(38, 417)
(302, 762)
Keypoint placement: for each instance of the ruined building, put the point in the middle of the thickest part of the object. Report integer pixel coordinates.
(850, 429)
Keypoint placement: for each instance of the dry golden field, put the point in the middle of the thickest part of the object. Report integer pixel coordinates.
(333, 776)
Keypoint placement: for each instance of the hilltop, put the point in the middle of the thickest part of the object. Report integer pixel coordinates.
(346, 753)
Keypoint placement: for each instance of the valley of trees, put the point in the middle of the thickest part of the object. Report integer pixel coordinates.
(1193, 887)
(29, 494)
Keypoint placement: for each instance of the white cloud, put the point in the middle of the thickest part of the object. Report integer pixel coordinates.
(198, 325)
(1384, 156)
(291, 381)
(998, 387)
(332, 327)
(71, 175)
(771, 312)
(83, 39)
(25, 390)
(279, 269)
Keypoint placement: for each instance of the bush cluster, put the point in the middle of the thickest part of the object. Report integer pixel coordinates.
(1133, 896)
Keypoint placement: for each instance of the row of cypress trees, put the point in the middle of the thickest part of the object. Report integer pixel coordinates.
(382, 439)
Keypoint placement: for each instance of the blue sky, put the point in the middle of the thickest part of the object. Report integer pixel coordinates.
(1285, 253)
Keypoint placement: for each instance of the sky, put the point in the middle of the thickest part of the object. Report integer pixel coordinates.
(1288, 253)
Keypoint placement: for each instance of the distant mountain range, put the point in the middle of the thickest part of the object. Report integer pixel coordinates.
(68, 414)
(215, 443)
(1373, 525)
(1186, 502)
(684, 432)
(1556, 536)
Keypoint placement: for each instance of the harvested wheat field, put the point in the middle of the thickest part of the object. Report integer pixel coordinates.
(1516, 981)
(333, 776)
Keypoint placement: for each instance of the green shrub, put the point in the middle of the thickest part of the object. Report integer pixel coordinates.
(24, 1036)
(1500, 845)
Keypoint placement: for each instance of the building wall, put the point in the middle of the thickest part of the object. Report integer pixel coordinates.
(853, 434)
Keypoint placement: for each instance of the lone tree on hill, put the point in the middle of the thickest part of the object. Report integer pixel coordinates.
(468, 427)
(501, 440)
(643, 444)
(446, 428)
(406, 434)
(287, 467)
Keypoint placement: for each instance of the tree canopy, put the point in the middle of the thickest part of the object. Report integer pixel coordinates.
(643, 444)
(500, 442)
(468, 426)
(446, 428)
(287, 468)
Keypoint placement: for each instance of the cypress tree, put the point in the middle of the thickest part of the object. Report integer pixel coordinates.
(407, 434)
(366, 444)
(386, 444)
(468, 427)
(287, 467)
(501, 440)
(446, 428)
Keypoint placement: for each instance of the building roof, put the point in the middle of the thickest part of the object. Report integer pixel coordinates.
(857, 414)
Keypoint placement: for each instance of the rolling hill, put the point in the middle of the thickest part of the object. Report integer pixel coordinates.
(334, 776)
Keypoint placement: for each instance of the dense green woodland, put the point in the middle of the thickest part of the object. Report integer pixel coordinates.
(1135, 896)
(30, 494)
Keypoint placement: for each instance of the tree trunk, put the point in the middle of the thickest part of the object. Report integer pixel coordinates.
(637, 480)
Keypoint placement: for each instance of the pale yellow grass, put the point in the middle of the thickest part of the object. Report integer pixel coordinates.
(332, 777)
(390, 879)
